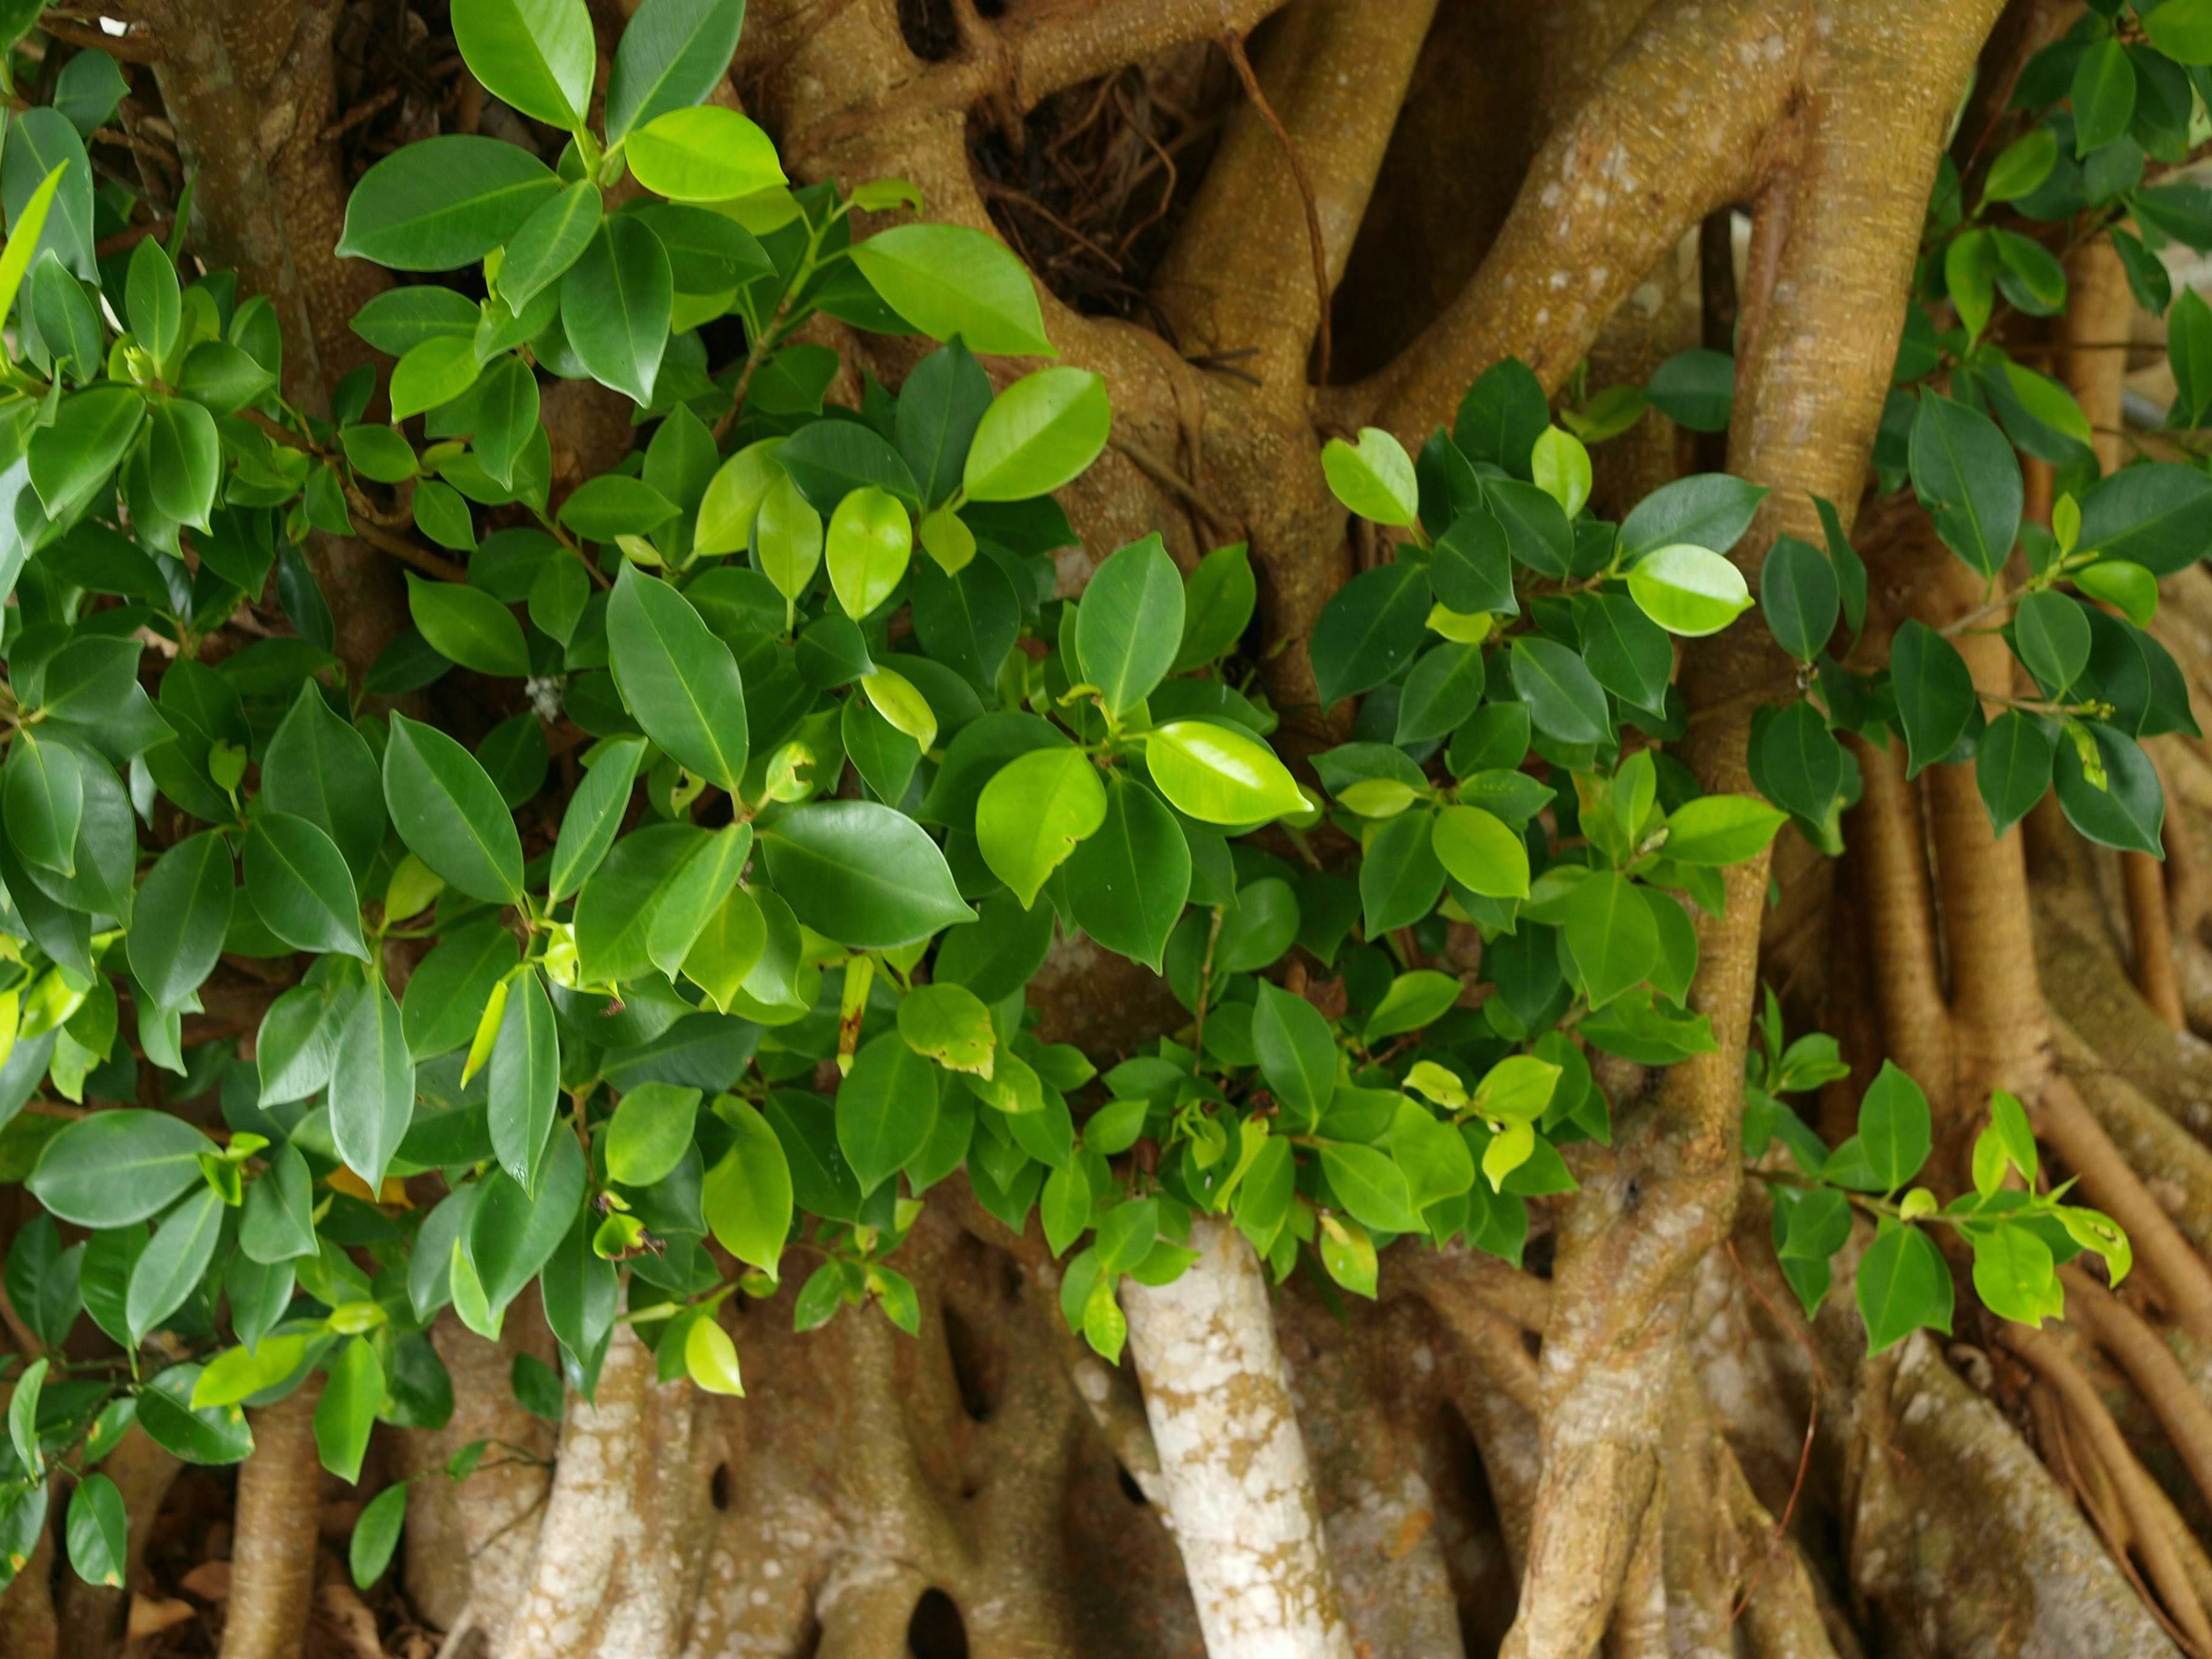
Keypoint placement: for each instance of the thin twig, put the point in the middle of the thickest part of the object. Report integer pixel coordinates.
(1161, 473)
(1805, 1453)
(1234, 45)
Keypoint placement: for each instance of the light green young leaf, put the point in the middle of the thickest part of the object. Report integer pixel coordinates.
(1373, 477)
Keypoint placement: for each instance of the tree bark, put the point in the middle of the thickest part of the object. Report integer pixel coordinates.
(272, 1568)
(1239, 1491)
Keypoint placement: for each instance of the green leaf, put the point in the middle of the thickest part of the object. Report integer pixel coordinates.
(466, 625)
(208, 1435)
(2129, 809)
(25, 234)
(1800, 762)
(1033, 812)
(450, 814)
(114, 1168)
(1720, 829)
(1370, 629)
(535, 55)
(2051, 635)
(1472, 565)
(650, 1132)
(351, 1397)
(376, 1535)
(549, 242)
(1038, 434)
(886, 1109)
(23, 1417)
(1688, 591)
(2012, 767)
(950, 1024)
(42, 796)
(1970, 268)
(1935, 700)
(43, 147)
(1894, 1132)
(1371, 1187)
(1297, 1051)
(746, 1196)
(80, 451)
(1695, 389)
(1801, 597)
(1710, 510)
(615, 913)
(1564, 700)
(2014, 1273)
(677, 678)
(1441, 692)
(864, 874)
(434, 373)
(672, 54)
(616, 303)
(512, 1235)
(440, 204)
(1478, 851)
(98, 1531)
(1218, 603)
(298, 885)
(152, 304)
(2156, 515)
(1129, 626)
(1561, 468)
(1903, 1284)
(2103, 96)
(1218, 775)
(594, 814)
(1373, 477)
(1613, 934)
(1537, 533)
(525, 1080)
(1126, 883)
(318, 767)
(949, 281)
(2022, 166)
(1968, 479)
(870, 544)
(178, 924)
(277, 1223)
(372, 1085)
(1401, 876)
(173, 1262)
(703, 154)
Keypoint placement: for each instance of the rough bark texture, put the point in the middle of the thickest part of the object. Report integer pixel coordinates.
(1233, 1467)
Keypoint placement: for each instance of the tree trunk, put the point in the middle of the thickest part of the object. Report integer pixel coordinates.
(1237, 1487)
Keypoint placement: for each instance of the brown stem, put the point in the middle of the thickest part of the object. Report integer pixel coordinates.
(2150, 936)
(2185, 1284)
(1888, 853)
(2087, 1412)
(2121, 1331)
(1234, 44)
(272, 1568)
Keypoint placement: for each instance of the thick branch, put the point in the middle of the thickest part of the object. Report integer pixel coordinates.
(1334, 72)
(1012, 62)
(1240, 1493)
(272, 1572)
(1660, 142)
